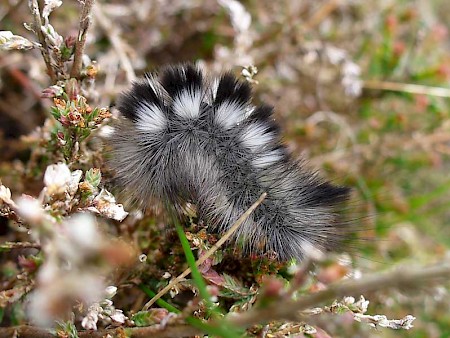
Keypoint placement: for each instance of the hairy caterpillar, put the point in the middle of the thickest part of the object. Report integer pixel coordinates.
(185, 137)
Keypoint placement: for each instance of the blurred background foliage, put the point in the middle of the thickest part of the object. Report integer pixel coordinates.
(338, 75)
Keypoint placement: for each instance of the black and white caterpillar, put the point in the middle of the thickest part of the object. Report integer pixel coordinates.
(188, 138)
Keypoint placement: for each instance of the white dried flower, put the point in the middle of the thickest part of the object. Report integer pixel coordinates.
(362, 304)
(105, 131)
(243, 40)
(50, 6)
(57, 177)
(381, 320)
(104, 311)
(352, 86)
(89, 322)
(72, 186)
(52, 35)
(118, 316)
(82, 235)
(351, 69)
(351, 79)
(249, 73)
(5, 36)
(110, 291)
(175, 290)
(48, 300)
(30, 209)
(313, 311)
(5, 195)
(95, 307)
(105, 204)
(308, 329)
(9, 41)
(404, 323)
(107, 303)
(240, 18)
(335, 55)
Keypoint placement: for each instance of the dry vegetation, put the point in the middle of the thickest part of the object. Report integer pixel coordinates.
(361, 89)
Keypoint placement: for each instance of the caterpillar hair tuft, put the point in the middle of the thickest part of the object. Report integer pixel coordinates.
(186, 137)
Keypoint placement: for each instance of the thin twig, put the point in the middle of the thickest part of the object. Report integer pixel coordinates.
(114, 37)
(401, 278)
(34, 8)
(407, 88)
(19, 245)
(208, 254)
(85, 22)
(176, 330)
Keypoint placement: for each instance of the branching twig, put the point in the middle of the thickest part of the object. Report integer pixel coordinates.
(34, 7)
(85, 22)
(283, 309)
(208, 254)
(400, 278)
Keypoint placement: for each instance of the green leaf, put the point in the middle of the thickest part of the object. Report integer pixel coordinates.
(234, 288)
(196, 275)
(144, 318)
(66, 52)
(93, 176)
(68, 328)
(92, 115)
(222, 329)
(55, 112)
(160, 301)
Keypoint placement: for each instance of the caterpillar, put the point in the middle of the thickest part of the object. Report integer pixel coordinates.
(187, 137)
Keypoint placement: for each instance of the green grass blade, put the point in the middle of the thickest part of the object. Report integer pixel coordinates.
(160, 301)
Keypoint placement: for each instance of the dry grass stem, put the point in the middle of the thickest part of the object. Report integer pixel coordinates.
(208, 254)
(407, 88)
